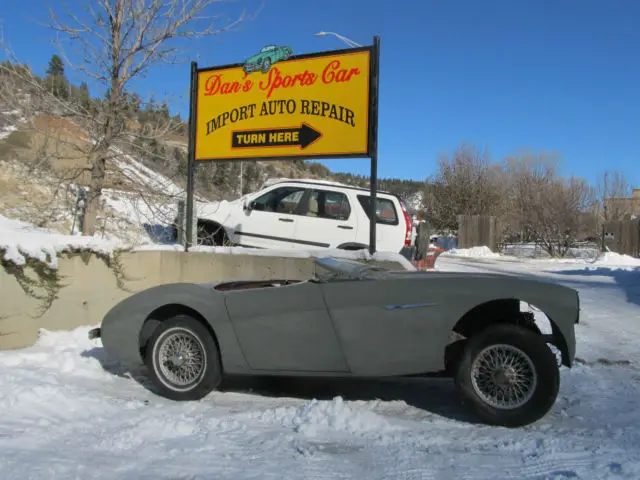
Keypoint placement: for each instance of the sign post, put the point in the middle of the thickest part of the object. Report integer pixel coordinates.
(278, 106)
(191, 154)
(374, 82)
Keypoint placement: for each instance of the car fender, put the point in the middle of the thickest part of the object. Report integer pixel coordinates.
(222, 212)
(561, 304)
(122, 324)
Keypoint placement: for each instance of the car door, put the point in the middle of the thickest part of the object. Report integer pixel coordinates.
(286, 328)
(389, 233)
(327, 220)
(270, 221)
(388, 327)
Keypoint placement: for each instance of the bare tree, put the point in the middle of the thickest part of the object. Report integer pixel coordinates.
(465, 184)
(611, 187)
(117, 42)
(59, 141)
(545, 208)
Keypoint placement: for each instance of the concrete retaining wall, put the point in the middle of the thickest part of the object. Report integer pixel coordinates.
(89, 288)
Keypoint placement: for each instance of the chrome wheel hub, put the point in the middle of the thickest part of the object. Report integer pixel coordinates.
(181, 358)
(503, 376)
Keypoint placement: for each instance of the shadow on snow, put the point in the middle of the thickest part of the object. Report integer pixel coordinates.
(627, 279)
(434, 395)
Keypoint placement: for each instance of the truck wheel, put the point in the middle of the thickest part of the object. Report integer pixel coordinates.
(508, 376)
(183, 359)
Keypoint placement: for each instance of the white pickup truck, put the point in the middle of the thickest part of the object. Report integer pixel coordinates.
(306, 214)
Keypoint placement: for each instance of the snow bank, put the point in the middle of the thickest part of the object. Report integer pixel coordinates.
(20, 240)
(482, 252)
(69, 346)
(318, 416)
(615, 259)
(65, 416)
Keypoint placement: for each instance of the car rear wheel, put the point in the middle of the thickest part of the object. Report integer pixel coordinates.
(183, 359)
(508, 376)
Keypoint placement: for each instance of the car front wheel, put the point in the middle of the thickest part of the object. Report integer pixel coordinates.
(508, 376)
(183, 359)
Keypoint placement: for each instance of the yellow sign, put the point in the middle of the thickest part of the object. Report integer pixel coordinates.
(306, 106)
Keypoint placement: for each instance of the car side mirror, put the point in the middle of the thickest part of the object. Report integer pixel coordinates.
(247, 205)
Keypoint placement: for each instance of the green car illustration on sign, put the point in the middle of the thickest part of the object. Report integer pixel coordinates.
(267, 57)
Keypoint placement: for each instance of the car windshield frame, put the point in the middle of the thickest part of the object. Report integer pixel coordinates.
(343, 268)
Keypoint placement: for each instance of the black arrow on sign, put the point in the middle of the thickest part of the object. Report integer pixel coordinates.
(301, 136)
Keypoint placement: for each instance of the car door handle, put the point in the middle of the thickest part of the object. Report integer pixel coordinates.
(346, 227)
(286, 219)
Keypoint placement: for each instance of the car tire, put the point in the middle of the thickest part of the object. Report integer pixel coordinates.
(183, 337)
(521, 350)
(266, 65)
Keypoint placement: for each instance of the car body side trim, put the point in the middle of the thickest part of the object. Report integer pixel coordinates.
(410, 305)
(283, 239)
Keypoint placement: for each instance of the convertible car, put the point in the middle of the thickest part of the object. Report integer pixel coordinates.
(352, 319)
(263, 60)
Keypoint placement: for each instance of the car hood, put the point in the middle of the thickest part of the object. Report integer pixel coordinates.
(253, 58)
(220, 208)
(420, 274)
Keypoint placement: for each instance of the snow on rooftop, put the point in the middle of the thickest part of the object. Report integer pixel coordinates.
(272, 181)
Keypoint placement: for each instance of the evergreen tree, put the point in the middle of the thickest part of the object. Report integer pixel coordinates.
(164, 111)
(251, 178)
(56, 66)
(84, 98)
(136, 102)
(56, 81)
(222, 175)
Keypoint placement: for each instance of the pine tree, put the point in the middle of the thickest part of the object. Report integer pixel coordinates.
(222, 175)
(56, 80)
(251, 177)
(56, 66)
(84, 98)
(164, 111)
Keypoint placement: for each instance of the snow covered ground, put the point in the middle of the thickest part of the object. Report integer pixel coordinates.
(19, 240)
(69, 413)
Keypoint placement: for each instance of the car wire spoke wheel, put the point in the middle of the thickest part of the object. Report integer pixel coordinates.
(503, 376)
(182, 358)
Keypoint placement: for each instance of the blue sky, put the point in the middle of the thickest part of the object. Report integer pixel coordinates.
(547, 75)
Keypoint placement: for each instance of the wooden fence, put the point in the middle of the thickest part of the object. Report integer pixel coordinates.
(622, 237)
(477, 231)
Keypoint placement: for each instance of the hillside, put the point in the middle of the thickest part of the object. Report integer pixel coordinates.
(43, 163)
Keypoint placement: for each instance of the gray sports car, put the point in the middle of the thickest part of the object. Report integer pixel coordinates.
(355, 320)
